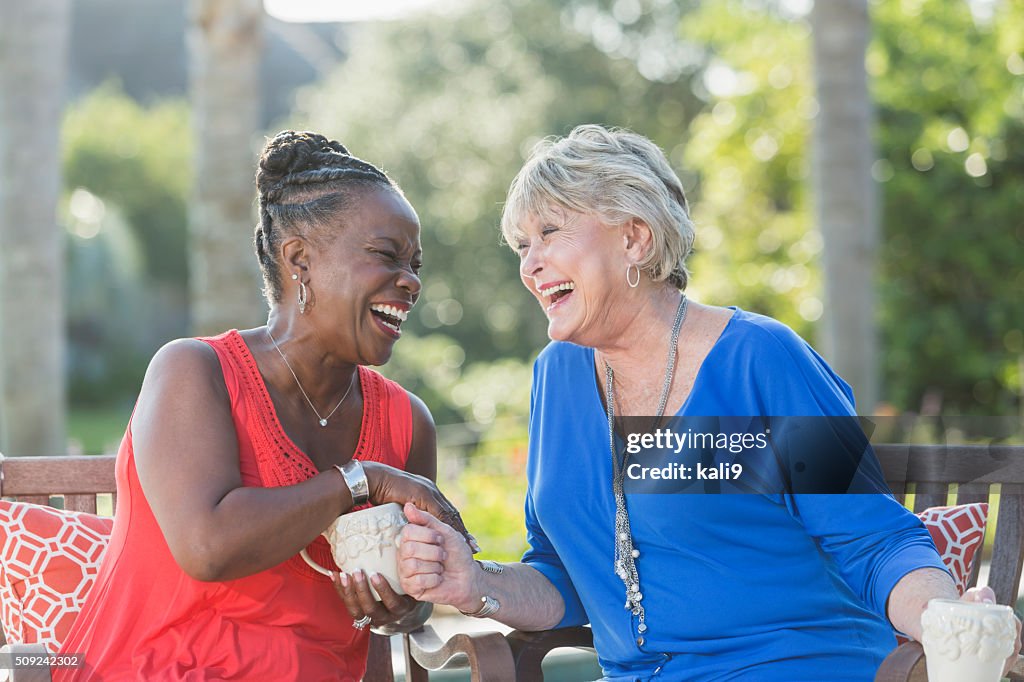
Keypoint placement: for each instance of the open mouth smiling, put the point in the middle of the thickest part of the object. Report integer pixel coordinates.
(556, 292)
(390, 316)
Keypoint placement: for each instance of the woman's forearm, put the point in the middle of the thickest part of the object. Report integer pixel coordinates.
(528, 599)
(436, 565)
(909, 598)
(242, 536)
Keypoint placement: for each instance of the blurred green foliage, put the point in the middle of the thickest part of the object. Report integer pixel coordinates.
(756, 243)
(948, 90)
(139, 158)
(97, 430)
(127, 171)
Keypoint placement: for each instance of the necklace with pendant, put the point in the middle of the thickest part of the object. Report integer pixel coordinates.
(322, 420)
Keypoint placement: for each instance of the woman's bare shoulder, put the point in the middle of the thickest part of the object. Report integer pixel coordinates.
(185, 362)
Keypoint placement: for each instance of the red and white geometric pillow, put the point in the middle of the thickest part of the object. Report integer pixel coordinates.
(48, 563)
(958, 533)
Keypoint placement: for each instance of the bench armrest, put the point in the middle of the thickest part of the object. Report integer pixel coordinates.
(486, 654)
(530, 648)
(906, 664)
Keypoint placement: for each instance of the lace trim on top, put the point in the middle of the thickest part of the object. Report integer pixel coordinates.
(280, 461)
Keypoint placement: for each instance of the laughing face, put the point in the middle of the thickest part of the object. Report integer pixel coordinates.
(371, 280)
(568, 262)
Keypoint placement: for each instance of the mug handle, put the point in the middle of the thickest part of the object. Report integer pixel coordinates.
(312, 564)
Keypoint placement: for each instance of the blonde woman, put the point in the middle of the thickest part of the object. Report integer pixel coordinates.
(788, 587)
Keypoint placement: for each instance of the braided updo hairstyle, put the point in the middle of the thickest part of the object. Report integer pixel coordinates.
(303, 181)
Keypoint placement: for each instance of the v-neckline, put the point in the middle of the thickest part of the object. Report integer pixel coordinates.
(275, 421)
(696, 379)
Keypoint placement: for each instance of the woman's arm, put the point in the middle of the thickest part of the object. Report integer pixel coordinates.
(186, 453)
(436, 565)
(423, 449)
(909, 598)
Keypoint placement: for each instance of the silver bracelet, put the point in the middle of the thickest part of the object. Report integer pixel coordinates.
(355, 479)
(488, 606)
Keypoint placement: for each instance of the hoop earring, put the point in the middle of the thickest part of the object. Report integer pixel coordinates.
(303, 297)
(631, 283)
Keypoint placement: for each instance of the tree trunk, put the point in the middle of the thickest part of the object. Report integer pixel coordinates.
(33, 68)
(846, 195)
(225, 41)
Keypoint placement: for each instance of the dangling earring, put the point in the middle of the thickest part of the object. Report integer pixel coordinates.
(630, 282)
(303, 295)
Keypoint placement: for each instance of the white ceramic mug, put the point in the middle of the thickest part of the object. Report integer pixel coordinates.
(367, 540)
(967, 641)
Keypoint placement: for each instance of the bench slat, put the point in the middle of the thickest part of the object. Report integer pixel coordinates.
(35, 499)
(951, 463)
(929, 495)
(1004, 575)
(53, 476)
(81, 503)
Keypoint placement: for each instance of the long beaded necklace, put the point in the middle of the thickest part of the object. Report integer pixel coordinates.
(625, 554)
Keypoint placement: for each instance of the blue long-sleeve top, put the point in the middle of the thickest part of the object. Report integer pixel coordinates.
(758, 587)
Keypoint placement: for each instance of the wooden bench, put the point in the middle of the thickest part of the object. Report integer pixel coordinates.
(927, 471)
(78, 480)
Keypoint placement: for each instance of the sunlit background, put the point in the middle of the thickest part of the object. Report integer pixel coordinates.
(449, 96)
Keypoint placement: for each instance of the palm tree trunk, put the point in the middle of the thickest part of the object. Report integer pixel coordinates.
(846, 196)
(33, 68)
(225, 42)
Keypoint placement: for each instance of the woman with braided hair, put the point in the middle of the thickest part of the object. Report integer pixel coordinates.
(245, 446)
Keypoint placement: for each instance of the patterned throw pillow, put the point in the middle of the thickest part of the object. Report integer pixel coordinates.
(48, 562)
(958, 533)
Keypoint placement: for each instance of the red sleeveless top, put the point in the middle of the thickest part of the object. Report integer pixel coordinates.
(146, 619)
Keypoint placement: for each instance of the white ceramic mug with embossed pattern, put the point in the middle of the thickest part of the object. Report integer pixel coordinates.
(366, 540)
(967, 641)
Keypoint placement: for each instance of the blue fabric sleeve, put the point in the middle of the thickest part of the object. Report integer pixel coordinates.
(542, 556)
(872, 539)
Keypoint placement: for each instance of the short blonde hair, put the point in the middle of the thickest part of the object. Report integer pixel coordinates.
(616, 175)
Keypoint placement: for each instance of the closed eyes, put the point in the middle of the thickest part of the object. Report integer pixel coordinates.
(545, 232)
(393, 257)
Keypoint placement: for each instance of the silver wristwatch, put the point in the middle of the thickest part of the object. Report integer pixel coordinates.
(355, 479)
